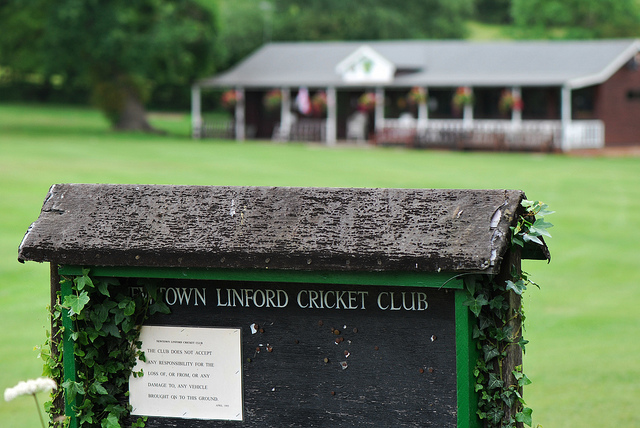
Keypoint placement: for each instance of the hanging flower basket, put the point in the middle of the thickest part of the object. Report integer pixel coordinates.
(463, 97)
(229, 99)
(272, 100)
(417, 95)
(367, 102)
(509, 102)
(319, 103)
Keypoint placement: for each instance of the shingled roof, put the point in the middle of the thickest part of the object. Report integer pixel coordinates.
(287, 228)
(436, 63)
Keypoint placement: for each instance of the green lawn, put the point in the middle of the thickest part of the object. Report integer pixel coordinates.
(583, 325)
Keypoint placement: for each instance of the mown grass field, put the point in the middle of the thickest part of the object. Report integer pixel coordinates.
(583, 324)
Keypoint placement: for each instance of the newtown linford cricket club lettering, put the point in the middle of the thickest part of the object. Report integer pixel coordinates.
(304, 299)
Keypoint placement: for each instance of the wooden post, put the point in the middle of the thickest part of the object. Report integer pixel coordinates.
(511, 270)
(56, 336)
(68, 357)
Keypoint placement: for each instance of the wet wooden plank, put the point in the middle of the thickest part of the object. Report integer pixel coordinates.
(336, 229)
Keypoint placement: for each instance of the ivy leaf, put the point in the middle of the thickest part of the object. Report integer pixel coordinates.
(485, 323)
(544, 211)
(93, 334)
(140, 423)
(527, 237)
(130, 308)
(509, 398)
(160, 307)
(497, 303)
(503, 334)
(525, 416)
(476, 304)
(98, 388)
(540, 227)
(72, 389)
(76, 303)
(518, 287)
(490, 352)
(111, 329)
(516, 239)
(522, 343)
(494, 381)
(524, 380)
(470, 283)
(103, 288)
(494, 416)
(110, 422)
(99, 315)
(119, 315)
(83, 281)
(127, 325)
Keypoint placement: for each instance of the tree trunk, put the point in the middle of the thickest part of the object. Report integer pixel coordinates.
(133, 116)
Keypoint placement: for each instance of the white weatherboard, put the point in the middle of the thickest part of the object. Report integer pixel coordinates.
(190, 372)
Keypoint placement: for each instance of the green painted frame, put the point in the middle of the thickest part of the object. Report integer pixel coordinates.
(466, 350)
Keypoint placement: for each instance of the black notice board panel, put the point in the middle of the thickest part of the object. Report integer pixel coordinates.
(329, 355)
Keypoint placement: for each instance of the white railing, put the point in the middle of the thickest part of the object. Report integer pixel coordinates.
(584, 134)
(302, 130)
(504, 134)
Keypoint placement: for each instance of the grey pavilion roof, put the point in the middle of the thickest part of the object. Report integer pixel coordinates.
(308, 229)
(436, 63)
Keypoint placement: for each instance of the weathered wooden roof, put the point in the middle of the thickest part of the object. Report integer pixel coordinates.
(274, 227)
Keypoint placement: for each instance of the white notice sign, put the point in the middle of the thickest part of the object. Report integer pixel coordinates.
(193, 373)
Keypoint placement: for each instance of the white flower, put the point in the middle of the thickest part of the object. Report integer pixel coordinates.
(29, 387)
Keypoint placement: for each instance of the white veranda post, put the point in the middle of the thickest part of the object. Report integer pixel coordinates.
(565, 115)
(467, 113)
(423, 111)
(332, 117)
(240, 121)
(516, 113)
(196, 112)
(286, 119)
(379, 111)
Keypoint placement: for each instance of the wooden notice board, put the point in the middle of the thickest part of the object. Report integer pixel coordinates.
(330, 355)
(326, 307)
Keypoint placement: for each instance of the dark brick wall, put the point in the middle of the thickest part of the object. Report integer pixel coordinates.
(620, 113)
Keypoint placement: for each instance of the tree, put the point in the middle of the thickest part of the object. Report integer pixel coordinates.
(244, 26)
(120, 49)
(577, 19)
(494, 11)
(370, 19)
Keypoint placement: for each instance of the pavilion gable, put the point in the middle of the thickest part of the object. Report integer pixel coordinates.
(365, 65)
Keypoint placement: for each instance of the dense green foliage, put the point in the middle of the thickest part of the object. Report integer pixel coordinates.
(370, 19)
(499, 326)
(118, 50)
(493, 11)
(106, 330)
(577, 19)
